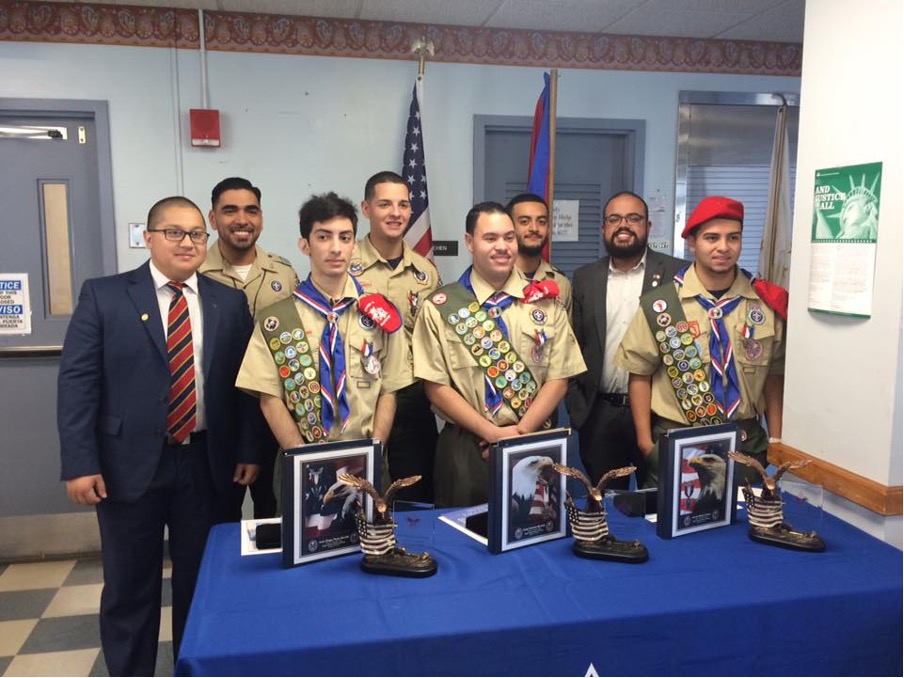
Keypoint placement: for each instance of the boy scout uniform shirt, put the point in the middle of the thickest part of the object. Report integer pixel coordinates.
(639, 351)
(260, 374)
(271, 278)
(546, 271)
(442, 357)
(414, 276)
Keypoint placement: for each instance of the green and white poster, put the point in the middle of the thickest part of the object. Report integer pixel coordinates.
(843, 242)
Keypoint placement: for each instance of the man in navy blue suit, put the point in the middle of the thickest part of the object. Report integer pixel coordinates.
(120, 448)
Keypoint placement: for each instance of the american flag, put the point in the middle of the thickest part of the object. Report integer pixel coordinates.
(414, 169)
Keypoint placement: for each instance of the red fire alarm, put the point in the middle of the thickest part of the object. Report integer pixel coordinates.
(205, 127)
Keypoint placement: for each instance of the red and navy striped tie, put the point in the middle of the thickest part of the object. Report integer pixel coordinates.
(180, 421)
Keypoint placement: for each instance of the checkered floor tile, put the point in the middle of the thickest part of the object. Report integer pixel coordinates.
(49, 619)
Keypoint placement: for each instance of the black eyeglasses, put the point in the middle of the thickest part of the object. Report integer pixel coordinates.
(178, 235)
(633, 218)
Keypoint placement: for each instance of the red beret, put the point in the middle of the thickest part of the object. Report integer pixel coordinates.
(713, 207)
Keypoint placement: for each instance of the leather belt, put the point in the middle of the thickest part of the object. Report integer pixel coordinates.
(618, 399)
(193, 438)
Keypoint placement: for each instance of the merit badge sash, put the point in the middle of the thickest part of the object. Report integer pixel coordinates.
(289, 347)
(680, 356)
(504, 371)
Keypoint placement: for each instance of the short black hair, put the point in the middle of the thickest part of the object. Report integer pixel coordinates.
(384, 177)
(646, 209)
(524, 197)
(154, 213)
(478, 209)
(233, 184)
(320, 208)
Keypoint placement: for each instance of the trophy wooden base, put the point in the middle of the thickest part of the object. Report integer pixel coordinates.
(609, 548)
(398, 563)
(785, 537)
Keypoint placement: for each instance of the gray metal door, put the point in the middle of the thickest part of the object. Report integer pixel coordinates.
(57, 228)
(594, 159)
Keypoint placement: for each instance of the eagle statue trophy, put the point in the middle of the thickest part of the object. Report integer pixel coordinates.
(377, 539)
(590, 525)
(765, 514)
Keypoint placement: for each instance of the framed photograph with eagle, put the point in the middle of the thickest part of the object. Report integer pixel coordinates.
(319, 511)
(527, 496)
(696, 479)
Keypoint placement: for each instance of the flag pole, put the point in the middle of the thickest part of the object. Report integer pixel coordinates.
(551, 177)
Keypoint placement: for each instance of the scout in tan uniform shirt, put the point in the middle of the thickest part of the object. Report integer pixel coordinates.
(672, 381)
(383, 262)
(458, 343)
(236, 260)
(286, 369)
(530, 215)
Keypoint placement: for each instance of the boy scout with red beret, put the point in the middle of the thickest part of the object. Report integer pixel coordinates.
(709, 348)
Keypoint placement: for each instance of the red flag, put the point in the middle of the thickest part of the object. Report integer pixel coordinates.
(538, 166)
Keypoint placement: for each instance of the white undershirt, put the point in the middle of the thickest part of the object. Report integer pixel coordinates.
(164, 297)
(242, 271)
(623, 292)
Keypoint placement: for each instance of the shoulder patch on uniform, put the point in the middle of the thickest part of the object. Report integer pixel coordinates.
(278, 258)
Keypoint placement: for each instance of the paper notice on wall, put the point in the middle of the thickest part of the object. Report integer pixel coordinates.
(565, 220)
(15, 309)
(843, 241)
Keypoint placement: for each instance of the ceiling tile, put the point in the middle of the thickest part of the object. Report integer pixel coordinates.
(337, 9)
(561, 15)
(784, 23)
(442, 12)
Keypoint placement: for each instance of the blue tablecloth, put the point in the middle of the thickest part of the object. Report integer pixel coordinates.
(712, 603)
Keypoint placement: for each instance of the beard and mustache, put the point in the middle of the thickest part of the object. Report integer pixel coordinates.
(626, 250)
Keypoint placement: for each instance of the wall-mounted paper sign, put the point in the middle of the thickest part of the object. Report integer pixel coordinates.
(565, 220)
(15, 309)
(843, 240)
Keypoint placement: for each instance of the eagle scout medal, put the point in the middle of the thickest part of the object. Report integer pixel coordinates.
(369, 361)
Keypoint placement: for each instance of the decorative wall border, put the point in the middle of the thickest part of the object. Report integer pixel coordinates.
(881, 499)
(272, 34)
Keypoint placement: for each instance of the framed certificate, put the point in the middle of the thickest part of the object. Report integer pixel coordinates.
(318, 511)
(527, 496)
(696, 479)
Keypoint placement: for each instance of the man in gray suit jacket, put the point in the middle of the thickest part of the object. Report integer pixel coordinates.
(606, 294)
